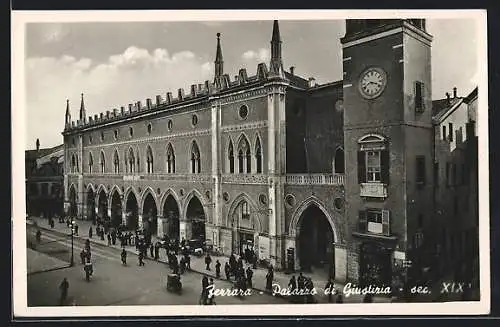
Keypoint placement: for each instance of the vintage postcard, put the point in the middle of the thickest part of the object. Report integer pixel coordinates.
(260, 163)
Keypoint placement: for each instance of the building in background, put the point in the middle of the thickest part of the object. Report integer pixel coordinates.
(335, 178)
(44, 181)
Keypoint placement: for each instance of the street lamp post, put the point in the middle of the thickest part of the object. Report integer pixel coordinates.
(72, 263)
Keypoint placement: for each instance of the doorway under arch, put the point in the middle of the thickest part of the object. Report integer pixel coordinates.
(132, 212)
(90, 205)
(116, 209)
(102, 206)
(150, 215)
(73, 210)
(171, 213)
(195, 215)
(315, 241)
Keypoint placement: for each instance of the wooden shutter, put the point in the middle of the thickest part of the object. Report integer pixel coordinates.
(386, 223)
(362, 223)
(361, 167)
(384, 166)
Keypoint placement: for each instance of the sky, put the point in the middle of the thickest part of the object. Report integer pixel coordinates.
(117, 63)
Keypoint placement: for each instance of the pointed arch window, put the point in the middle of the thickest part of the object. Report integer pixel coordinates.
(73, 164)
(91, 163)
(195, 159)
(170, 159)
(116, 163)
(149, 160)
(138, 161)
(245, 213)
(131, 161)
(339, 161)
(231, 157)
(258, 156)
(103, 162)
(244, 156)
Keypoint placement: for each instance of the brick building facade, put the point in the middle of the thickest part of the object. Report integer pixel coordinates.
(313, 176)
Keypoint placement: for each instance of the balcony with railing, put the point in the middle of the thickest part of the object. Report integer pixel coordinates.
(315, 179)
(373, 190)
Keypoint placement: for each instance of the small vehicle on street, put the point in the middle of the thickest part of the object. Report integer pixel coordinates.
(195, 247)
(174, 283)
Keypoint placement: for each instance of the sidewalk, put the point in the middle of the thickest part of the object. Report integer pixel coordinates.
(198, 263)
(40, 262)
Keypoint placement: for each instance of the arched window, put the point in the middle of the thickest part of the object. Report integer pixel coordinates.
(195, 158)
(131, 161)
(73, 164)
(91, 162)
(103, 162)
(138, 162)
(373, 159)
(244, 156)
(245, 213)
(231, 157)
(258, 156)
(241, 160)
(170, 159)
(116, 163)
(149, 160)
(339, 161)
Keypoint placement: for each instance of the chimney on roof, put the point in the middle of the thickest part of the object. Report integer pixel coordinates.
(312, 82)
(122, 110)
(37, 145)
(448, 97)
(292, 70)
(158, 100)
(148, 103)
(454, 92)
(139, 105)
(130, 107)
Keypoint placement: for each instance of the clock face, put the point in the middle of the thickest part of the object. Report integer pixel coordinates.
(372, 83)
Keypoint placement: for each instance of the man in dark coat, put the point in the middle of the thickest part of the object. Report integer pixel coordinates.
(157, 251)
(232, 263)
(151, 250)
(217, 269)
(90, 232)
(76, 229)
(269, 278)
(63, 287)
(124, 257)
(227, 270)
(109, 239)
(208, 261)
(141, 258)
(249, 277)
(204, 290)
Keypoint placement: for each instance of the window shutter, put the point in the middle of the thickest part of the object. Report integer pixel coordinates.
(384, 166)
(361, 167)
(362, 221)
(386, 223)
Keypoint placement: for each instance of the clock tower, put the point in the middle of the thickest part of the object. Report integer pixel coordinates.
(388, 142)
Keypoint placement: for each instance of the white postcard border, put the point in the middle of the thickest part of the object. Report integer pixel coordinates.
(19, 19)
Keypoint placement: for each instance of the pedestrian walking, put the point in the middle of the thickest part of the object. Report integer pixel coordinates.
(76, 229)
(249, 277)
(82, 257)
(204, 290)
(90, 232)
(102, 235)
(88, 270)
(63, 287)
(38, 236)
(269, 278)
(109, 239)
(227, 270)
(151, 250)
(217, 269)
(51, 222)
(188, 261)
(157, 251)
(232, 264)
(141, 258)
(124, 257)
(208, 261)
(113, 237)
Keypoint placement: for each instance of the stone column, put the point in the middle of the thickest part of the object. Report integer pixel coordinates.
(340, 263)
(160, 222)
(139, 221)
